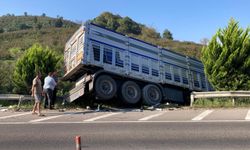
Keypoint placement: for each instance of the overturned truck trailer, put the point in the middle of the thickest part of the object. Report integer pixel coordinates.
(108, 64)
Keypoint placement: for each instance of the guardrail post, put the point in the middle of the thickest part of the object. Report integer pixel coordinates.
(20, 100)
(191, 99)
(233, 101)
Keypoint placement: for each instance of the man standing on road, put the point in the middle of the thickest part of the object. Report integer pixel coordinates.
(36, 92)
(49, 85)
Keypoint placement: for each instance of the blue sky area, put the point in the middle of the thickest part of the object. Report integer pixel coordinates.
(188, 20)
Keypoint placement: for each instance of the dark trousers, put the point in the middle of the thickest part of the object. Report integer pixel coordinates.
(54, 97)
(48, 98)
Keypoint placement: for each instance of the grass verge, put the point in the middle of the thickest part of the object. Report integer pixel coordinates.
(221, 103)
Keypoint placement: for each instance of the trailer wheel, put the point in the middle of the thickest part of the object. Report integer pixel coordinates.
(105, 87)
(130, 92)
(151, 95)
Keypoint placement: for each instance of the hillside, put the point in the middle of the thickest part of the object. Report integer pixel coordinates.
(20, 32)
(10, 23)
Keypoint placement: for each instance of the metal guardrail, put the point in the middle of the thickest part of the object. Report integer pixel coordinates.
(217, 94)
(16, 97)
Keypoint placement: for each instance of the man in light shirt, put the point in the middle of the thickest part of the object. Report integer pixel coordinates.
(49, 85)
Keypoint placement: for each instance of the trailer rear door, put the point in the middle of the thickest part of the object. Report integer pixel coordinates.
(74, 51)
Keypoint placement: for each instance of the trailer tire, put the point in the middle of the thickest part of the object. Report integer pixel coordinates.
(151, 95)
(105, 87)
(130, 92)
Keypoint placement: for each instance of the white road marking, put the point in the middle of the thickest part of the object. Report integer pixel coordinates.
(132, 121)
(248, 115)
(202, 115)
(100, 117)
(17, 115)
(151, 116)
(48, 118)
(12, 123)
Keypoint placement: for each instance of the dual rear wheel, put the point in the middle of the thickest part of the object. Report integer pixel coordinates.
(130, 91)
(151, 95)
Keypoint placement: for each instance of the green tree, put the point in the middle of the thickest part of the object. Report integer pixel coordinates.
(36, 58)
(59, 22)
(115, 22)
(226, 58)
(107, 20)
(167, 35)
(127, 26)
(25, 14)
(150, 33)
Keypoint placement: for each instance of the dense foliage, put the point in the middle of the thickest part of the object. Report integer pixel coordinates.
(36, 58)
(227, 58)
(115, 22)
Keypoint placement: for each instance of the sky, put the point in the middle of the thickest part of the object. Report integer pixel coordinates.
(188, 20)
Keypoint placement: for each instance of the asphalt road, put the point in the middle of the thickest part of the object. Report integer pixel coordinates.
(127, 136)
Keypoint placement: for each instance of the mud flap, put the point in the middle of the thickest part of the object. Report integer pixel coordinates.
(75, 93)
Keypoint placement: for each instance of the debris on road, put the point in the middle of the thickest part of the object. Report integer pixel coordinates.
(3, 109)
